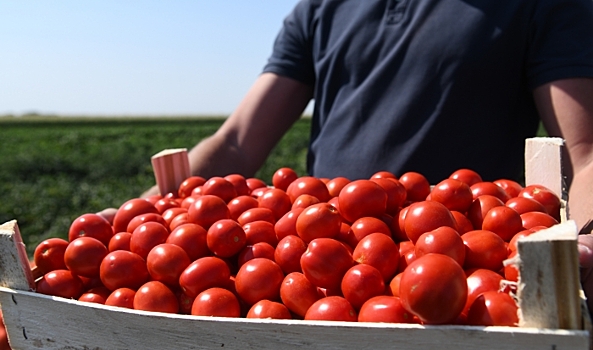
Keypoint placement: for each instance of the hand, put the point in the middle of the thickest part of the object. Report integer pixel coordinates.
(585, 247)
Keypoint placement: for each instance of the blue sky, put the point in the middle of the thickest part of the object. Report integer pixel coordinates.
(132, 57)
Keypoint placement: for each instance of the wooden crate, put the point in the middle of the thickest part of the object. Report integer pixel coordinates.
(553, 313)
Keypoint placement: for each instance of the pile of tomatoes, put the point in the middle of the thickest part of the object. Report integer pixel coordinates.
(383, 249)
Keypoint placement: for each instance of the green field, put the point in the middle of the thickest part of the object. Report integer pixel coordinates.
(54, 169)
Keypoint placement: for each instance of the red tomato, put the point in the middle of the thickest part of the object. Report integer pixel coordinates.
(426, 216)
(288, 253)
(386, 309)
(360, 283)
(49, 255)
(396, 193)
(335, 185)
(479, 281)
(269, 309)
(493, 308)
(220, 187)
(60, 283)
(320, 220)
(484, 249)
(91, 225)
(536, 218)
(142, 218)
(480, 207)
(308, 185)
(122, 268)
(364, 226)
(417, 186)
(443, 240)
(84, 255)
(4, 345)
(379, 251)
(434, 288)
(240, 204)
(383, 174)
(256, 214)
(325, 262)
(462, 223)
(298, 293)
(156, 296)
(130, 210)
(393, 288)
(171, 213)
(545, 196)
(96, 295)
(286, 225)
(332, 308)
(260, 231)
(165, 263)
(467, 176)
(188, 185)
(240, 184)
(524, 205)
(362, 198)
(259, 279)
(166, 203)
(453, 194)
(206, 210)
(192, 238)
(407, 254)
(304, 201)
(204, 273)
(511, 187)
(503, 221)
(523, 233)
(254, 184)
(489, 188)
(120, 241)
(217, 302)
(226, 238)
(147, 236)
(511, 273)
(283, 177)
(257, 250)
(121, 297)
(277, 201)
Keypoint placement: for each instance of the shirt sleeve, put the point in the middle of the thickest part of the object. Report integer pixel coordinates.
(292, 52)
(561, 41)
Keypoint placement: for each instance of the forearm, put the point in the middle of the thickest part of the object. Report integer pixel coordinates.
(580, 200)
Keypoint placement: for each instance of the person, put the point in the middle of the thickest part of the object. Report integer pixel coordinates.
(430, 86)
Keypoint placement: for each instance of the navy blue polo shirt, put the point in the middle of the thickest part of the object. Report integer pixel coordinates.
(429, 85)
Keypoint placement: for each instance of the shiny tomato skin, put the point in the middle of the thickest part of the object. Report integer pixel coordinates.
(121, 297)
(286, 225)
(364, 226)
(332, 308)
(240, 183)
(277, 201)
(157, 297)
(165, 263)
(489, 188)
(524, 205)
(147, 236)
(171, 213)
(260, 231)
(259, 279)
(142, 218)
(166, 203)
(130, 209)
(545, 196)
(385, 309)
(383, 174)
(308, 185)
(503, 221)
(256, 214)
(270, 310)
(443, 240)
(217, 302)
(362, 198)
(226, 238)
(511, 187)
(288, 253)
(298, 293)
(467, 176)
(453, 194)
(60, 283)
(220, 187)
(206, 210)
(379, 251)
(84, 255)
(417, 186)
(523, 233)
(480, 281)
(187, 186)
(123, 268)
(407, 254)
(179, 220)
(90, 225)
(434, 288)
(535, 218)
(257, 250)
(240, 204)
(49, 255)
(360, 283)
(493, 308)
(120, 241)
(336, 184)
(480, 207)
(510, 271)
(484, 249)
(320, 220)
(393, 287)
(204, 273)
(304, 201)
(396, 193)
(192, 238)
(96, 295)
(426, 216)
(325, 262)
(255, 184)
(462, 223)
(283, 177)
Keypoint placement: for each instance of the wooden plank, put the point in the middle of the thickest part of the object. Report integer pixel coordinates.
(543, 163)
(42, 322)
(171, 168)
(14, 263)
(549, 282)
